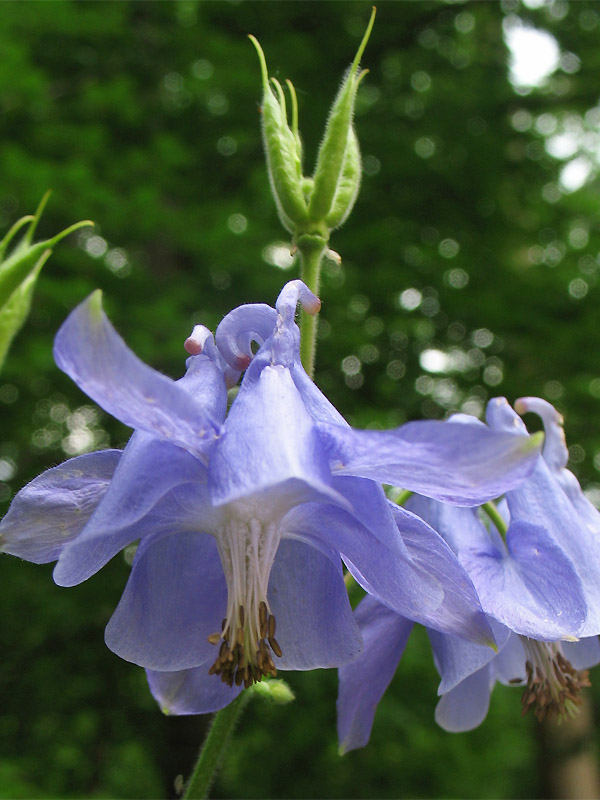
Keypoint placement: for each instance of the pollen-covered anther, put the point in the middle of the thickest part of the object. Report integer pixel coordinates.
(245, 657)
(553, 684)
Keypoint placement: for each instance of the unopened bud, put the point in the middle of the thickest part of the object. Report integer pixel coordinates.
(338, 170)
(312, 206)
(19, 271)
(283, 149)
(275, 690)
(348, 184)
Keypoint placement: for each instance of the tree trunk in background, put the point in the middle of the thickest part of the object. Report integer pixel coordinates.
(569, 757)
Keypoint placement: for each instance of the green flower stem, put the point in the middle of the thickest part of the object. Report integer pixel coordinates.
(403, 497)
(311, 248)
(493, 513)
(214, 747)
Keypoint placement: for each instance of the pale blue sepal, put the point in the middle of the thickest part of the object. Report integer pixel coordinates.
(91, 352)
(54, 508)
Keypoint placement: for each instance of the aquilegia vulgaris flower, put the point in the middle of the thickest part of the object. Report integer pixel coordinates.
(243, 518)
(537, 574)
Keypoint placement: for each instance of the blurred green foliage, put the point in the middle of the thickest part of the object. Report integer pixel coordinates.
(469, 270)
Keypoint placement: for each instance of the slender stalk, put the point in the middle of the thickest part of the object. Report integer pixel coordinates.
(403, 497)
(214, 748)
(311, 249)
(493, 513)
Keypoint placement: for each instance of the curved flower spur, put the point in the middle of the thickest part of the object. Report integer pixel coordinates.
(243, 518)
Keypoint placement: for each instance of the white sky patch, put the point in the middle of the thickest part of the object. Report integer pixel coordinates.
(534, 54)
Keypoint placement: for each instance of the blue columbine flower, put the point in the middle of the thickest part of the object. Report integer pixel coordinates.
(552, 673)
(538, 585)
(243, 518)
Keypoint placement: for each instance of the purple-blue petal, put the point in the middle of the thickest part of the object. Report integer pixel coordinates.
(53, 509)
(540, 501)
(554, 451)
(363, 681)
(205, 381)
(175, 598)
(315, 402)
(553, 497)
(308, 597)
(190, 691)
(295, 292)
(529, 584)
(270, 444)
(244, 325)
(383, 572)
(509, 665)
(460, 611)
(454, 462)
(423, 582)
(466, 706)
(92, 353)
(369, 505)
(456, 659)
(583, 654)
(150, 470)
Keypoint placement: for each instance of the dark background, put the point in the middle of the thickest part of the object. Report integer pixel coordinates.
(143, 116)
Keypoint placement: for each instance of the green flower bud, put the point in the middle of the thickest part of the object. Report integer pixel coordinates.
(277, 691)
(283, 149)
(348, 184)
(337, 174)
(19, 272)
(312, 206)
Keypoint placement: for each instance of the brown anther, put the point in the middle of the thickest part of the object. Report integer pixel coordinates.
(240, 652)
(247, 663)
(263, 615)
(584, 677)
(553, 691)
(560, 676)
(239, 636)
(275, 646)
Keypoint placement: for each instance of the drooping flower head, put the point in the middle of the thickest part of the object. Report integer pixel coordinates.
(243, 518)
(536, 573)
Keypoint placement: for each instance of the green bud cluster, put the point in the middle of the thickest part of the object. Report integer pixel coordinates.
(312, 207)
(19, 272)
